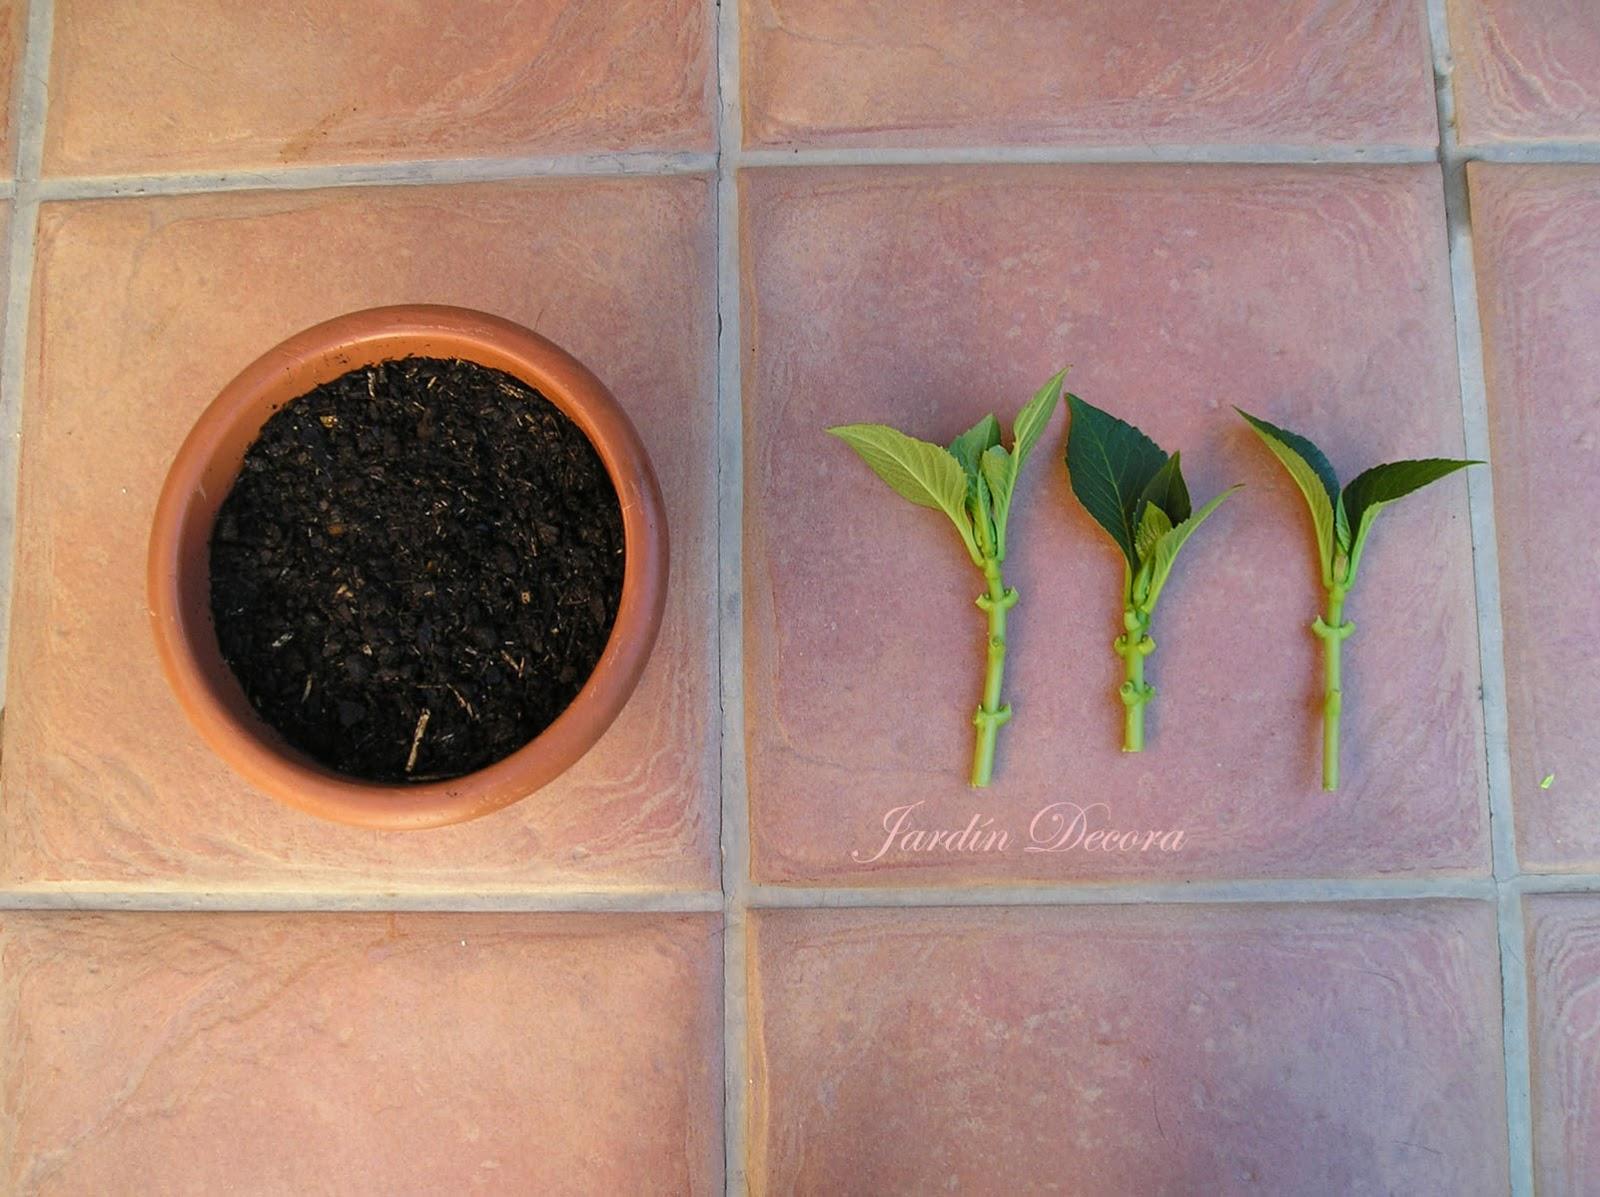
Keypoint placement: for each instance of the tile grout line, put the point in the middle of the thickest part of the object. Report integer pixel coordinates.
(1514, 1006)
(735, 842)
(1491, 632)
(1176, 893)
(1176, 153)
(656, 163)
(289, 901)
(1553, 883)
(600, 164)
(33, 99)
(1480, 486)
(1553, 153)
(659, 163)
(1280, 891)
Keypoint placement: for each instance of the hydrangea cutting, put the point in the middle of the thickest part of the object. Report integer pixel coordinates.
(974, 482)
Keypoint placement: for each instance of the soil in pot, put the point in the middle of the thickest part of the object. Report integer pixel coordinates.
(417, 569)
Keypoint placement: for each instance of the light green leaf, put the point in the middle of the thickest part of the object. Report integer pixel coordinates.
(1030, 423)
(997, 472)
(969, 447)
(1316, 480)
(1110, 463)
(1168, 491)
(1370, 492)
(1153, 525)
(926, 474)
(1166, 551)
(980, 508)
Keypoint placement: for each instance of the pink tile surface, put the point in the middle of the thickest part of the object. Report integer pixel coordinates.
(166, 85)
(1564, 1029)
(143, 310)
(1526, 71)
(1537, 235)
(926, 297)
(203, 1054)
(1127, 72)
(13, 24)
(1118, 1050)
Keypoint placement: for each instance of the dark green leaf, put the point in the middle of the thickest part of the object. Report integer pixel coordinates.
(969, 447)
(1316, 480)
(926, 474)
(1370, 492)
(1110, 463)
(1168, 491)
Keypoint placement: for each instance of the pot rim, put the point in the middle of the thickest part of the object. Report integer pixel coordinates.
(203, 471)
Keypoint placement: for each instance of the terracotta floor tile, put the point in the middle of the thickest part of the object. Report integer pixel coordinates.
(143, 309)
(925, 297)
(1117, 1050)
(8, 467)
(202, 1054)
(1123, 72)
(167, 85)
(1564, 1026)
(1526, 71)
(13, 24)
(1537, 232)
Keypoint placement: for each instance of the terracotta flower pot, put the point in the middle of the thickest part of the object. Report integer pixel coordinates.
(204, 471)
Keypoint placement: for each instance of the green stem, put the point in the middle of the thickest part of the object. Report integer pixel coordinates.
(991, 715)
(1334, 631)
(1133, 646)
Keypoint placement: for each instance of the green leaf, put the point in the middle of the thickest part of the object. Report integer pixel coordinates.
(1030, 423)
(1110, 463)
(1168, 491)
(1370, 492)
(997, 472)
(981, 510)
(1153, 525)
(1166, 551)
(1316, 480)
(970, 446)
(926, 474)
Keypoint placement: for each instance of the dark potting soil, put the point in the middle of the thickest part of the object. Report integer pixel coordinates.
(417, 569)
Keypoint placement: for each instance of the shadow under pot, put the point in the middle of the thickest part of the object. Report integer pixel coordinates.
(407, 567)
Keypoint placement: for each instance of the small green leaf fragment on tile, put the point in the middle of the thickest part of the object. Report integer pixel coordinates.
(1549, 780)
